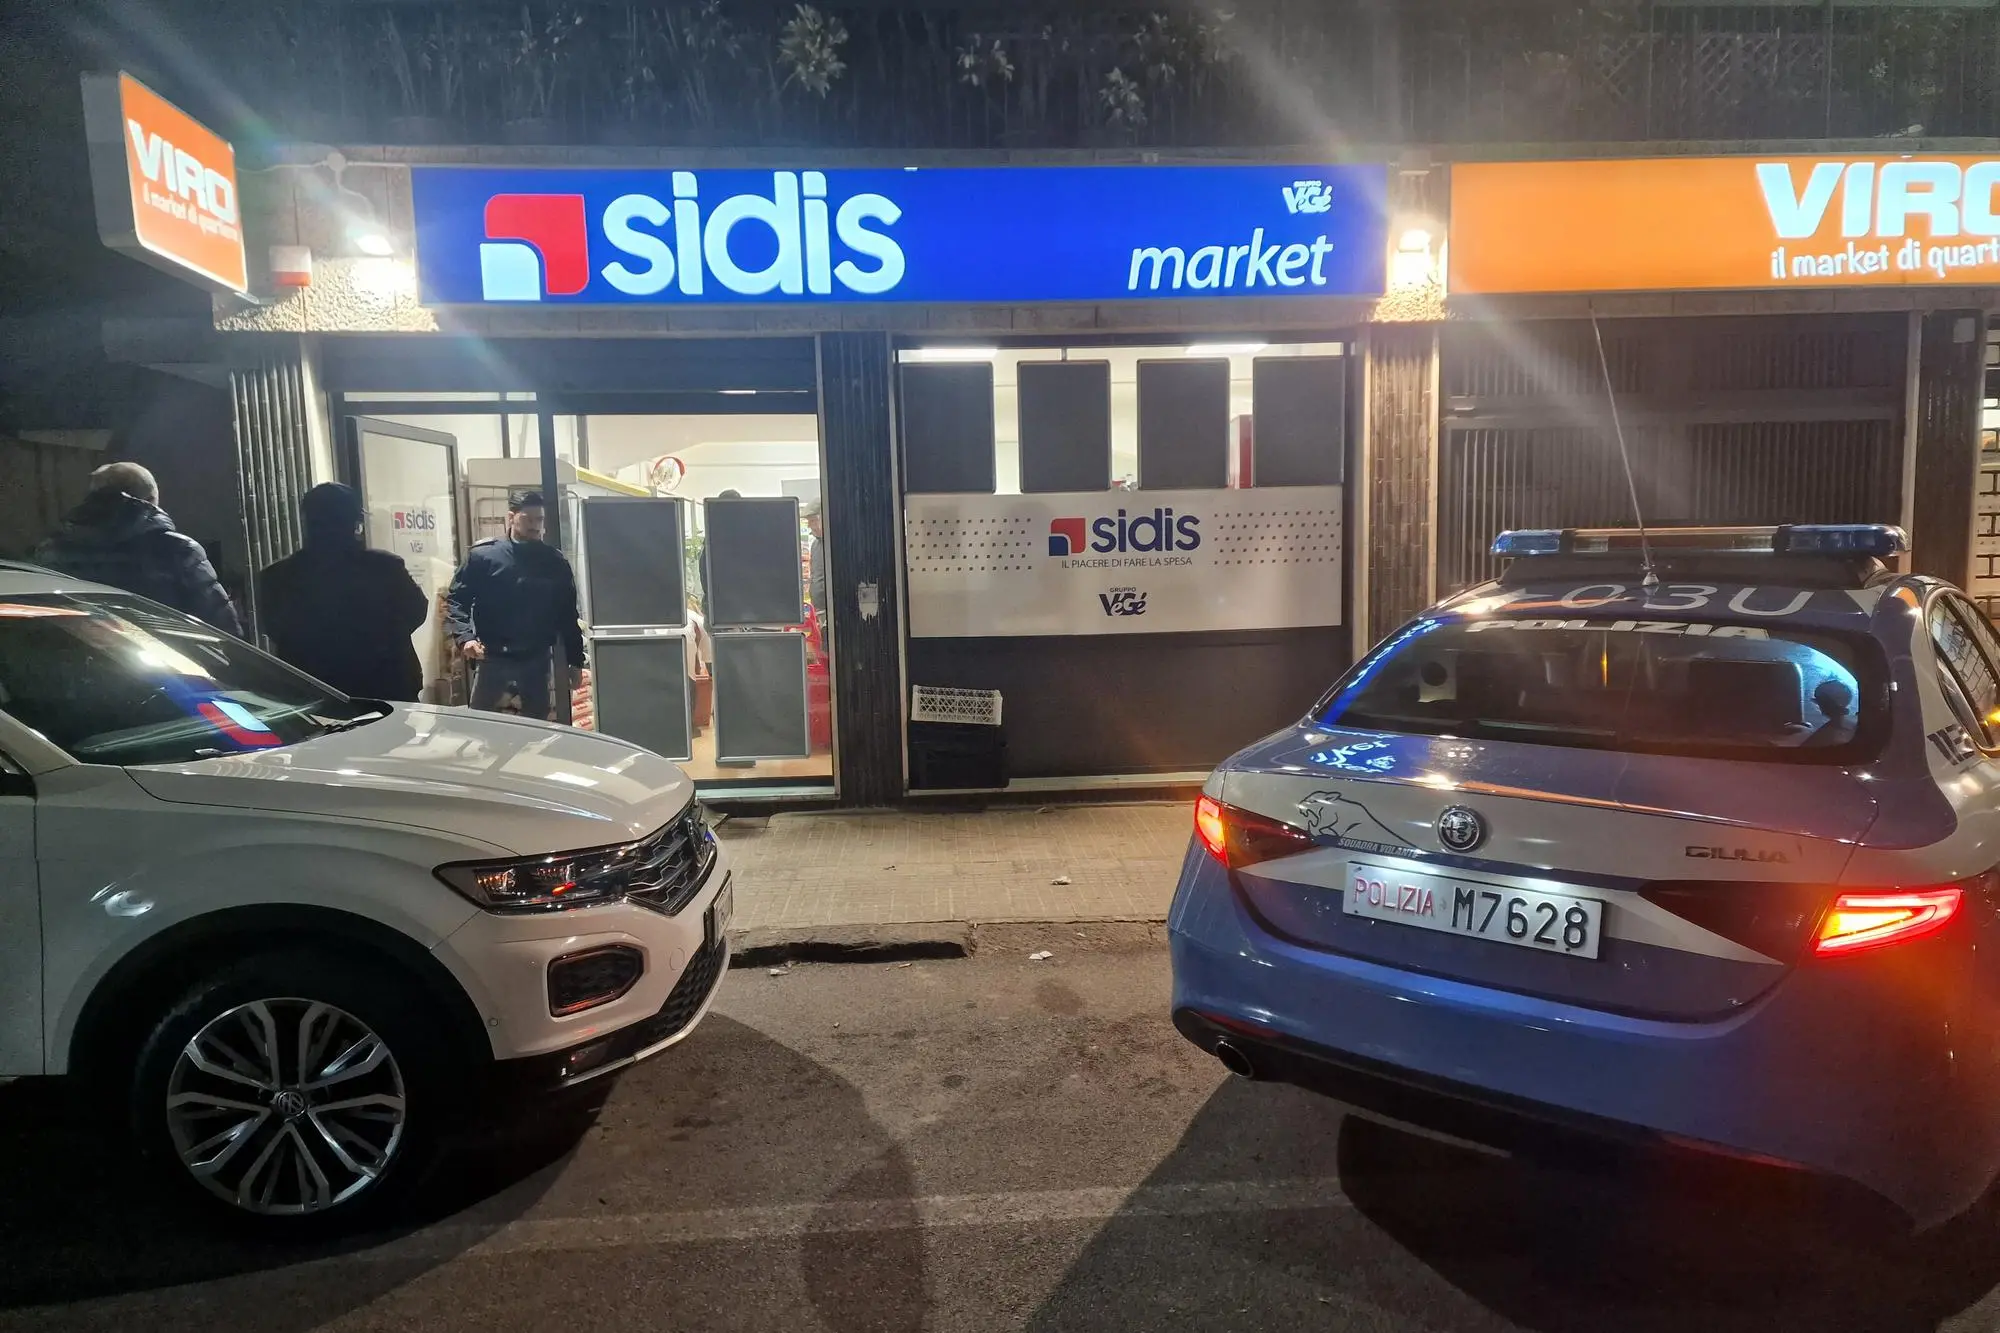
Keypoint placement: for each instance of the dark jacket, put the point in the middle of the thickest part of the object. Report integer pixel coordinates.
(113, 538)
(816, 586)
(516, 598)
(344, 613)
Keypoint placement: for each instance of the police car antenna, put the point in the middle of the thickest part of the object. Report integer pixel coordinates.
(1651, 577)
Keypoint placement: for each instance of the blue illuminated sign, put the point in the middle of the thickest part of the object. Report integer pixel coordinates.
(946, 234)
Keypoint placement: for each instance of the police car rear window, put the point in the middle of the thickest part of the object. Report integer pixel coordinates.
(1761, 691)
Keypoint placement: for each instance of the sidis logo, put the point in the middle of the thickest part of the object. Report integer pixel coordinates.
(1158, 530)
(794, 240)
(535, 244)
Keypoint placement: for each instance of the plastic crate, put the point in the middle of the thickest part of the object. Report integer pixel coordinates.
(939, 703)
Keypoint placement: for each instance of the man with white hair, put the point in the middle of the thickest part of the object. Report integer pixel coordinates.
(119, 535)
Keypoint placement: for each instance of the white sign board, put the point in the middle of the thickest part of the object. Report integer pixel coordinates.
(414, 536)
(1123, 562)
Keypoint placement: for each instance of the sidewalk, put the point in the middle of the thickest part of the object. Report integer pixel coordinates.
(800, 872)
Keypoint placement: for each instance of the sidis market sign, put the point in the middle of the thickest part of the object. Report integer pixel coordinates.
(165, 184)
(1676, 224)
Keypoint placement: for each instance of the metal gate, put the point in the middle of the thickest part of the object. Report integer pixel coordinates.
(1728, 421)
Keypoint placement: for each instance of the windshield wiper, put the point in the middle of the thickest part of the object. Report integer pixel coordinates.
(348, 724)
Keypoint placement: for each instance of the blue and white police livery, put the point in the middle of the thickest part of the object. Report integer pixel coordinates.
(1700, 851)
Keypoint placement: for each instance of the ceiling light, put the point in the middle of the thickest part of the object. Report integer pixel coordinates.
(373, 243)
(951, 354)
(1224, 349)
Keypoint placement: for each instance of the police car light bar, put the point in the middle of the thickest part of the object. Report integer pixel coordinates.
(1878, 540)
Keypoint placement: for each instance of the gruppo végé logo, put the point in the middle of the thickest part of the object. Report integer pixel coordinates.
(1123, 602)
(1155, 531)
(539, 245)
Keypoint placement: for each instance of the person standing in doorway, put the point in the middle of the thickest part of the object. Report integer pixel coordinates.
(512, 602)
(119, 535)
(817, 561)
(340, 611)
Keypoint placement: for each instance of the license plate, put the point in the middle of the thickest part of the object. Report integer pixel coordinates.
(1551, 922)
(721, 910)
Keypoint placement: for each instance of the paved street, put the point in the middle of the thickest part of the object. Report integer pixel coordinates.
(982, 1144)
(798, 872)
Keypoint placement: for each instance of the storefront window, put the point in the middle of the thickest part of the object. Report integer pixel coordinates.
(1099, 533)
(1120, 369)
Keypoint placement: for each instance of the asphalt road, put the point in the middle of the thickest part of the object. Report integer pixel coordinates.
(983, 1144)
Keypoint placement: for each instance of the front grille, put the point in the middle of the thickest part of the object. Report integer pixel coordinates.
(685, 1001)
(676, 860)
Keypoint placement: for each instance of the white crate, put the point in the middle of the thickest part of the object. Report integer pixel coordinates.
(938, 703)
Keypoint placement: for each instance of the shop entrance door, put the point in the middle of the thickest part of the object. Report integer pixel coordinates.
(714, 567)
(748, 715)
(408, 479)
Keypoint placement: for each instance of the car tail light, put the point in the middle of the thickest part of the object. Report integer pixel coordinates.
(1238, 837)
(1861, 921)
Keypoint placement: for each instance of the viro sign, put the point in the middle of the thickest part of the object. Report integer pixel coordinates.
(165, 184)
(1880, 205)
(1666, 224)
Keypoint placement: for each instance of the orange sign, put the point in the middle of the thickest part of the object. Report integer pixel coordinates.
(1677, 224)
(173, 200)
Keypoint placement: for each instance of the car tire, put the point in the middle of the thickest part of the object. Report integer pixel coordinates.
(298, 1093)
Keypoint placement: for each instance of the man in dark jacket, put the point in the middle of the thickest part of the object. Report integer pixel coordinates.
(340, 611)
(119, 535)
(514, 599)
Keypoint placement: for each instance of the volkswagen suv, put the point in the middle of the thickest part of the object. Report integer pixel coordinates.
(299, 934)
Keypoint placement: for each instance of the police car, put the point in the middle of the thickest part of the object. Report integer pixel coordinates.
(1690, 840)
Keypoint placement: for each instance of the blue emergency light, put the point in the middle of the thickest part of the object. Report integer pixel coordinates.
(1877, 540)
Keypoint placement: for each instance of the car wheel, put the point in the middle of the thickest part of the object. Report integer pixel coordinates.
(294, 1091)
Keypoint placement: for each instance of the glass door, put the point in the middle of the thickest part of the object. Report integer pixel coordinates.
(408, 480)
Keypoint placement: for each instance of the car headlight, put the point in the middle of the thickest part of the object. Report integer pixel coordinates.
(546, 883)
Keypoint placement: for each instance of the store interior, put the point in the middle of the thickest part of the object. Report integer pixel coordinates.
(687, 457)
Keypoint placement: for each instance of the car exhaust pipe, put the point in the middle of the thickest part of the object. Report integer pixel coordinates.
(1235, 1059)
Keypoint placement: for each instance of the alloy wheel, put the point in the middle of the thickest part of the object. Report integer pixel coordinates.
(286, 1107)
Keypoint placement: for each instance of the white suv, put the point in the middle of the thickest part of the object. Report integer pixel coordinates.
(303, 934)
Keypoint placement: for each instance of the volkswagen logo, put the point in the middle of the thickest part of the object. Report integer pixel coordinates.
(1460, 829)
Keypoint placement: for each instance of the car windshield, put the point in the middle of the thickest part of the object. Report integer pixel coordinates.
(1742, 691)
(116, 679)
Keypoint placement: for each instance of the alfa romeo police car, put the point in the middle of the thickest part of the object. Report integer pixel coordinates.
(1698, 848)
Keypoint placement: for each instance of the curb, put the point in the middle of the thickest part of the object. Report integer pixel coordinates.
(851, 944)
(774, 946)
